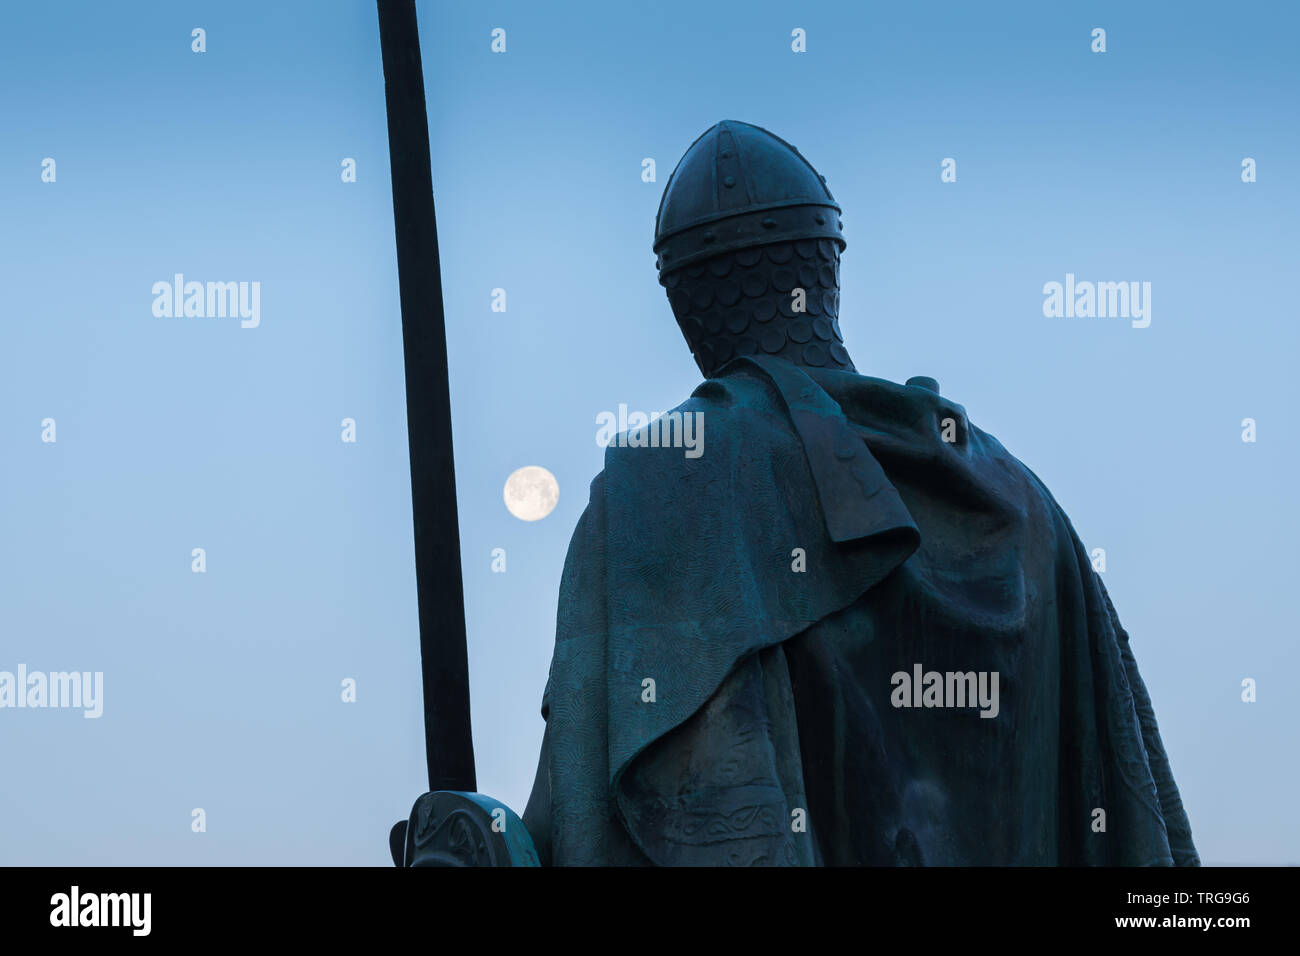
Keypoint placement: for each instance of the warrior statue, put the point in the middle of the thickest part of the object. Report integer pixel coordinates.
(854, 631)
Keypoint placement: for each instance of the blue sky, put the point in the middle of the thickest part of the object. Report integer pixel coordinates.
(222, 689)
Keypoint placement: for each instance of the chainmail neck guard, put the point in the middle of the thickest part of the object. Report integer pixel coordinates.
(749, 301)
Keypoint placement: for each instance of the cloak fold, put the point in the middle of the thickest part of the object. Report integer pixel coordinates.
(720, 691)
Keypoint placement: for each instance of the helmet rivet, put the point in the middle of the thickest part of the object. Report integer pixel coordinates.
(729, 181)
(709, 237)
(821, 220)
(769, 223)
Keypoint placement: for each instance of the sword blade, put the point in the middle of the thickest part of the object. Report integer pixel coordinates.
(449, 747)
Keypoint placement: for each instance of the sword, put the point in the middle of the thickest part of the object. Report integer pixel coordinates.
(448, 743)
(451, 825)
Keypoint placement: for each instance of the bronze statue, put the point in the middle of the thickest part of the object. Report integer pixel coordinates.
(850, 629)
(856, 630)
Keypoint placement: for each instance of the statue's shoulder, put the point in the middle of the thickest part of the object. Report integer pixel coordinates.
(739, 412)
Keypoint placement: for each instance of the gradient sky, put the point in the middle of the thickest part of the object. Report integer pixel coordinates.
(222, 690)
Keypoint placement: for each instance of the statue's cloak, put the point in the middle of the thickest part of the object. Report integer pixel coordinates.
(838, 530)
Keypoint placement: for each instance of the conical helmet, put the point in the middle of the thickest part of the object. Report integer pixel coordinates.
(740, 186)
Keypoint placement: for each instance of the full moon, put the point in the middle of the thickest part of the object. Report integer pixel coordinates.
(531, 493)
